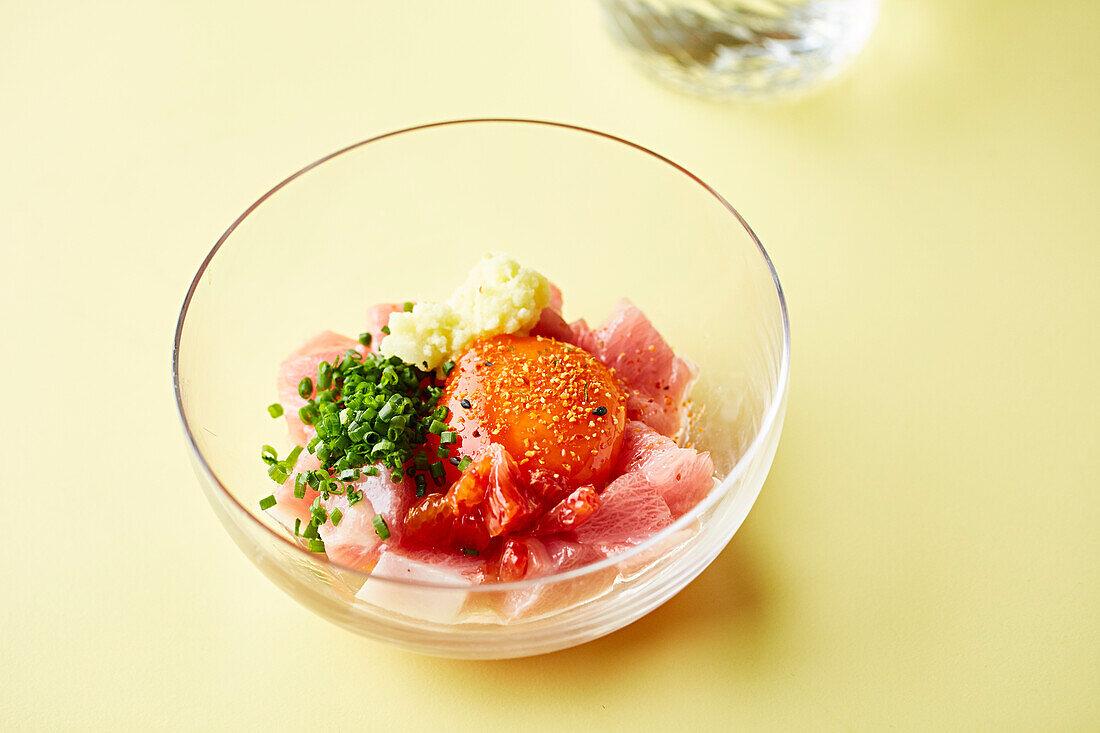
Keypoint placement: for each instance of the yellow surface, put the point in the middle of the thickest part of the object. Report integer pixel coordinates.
(924, 554)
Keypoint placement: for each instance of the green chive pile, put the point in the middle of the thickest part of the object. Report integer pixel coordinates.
(368, 411)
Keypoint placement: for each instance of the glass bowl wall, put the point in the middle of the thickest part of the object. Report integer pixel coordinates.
(403, 217)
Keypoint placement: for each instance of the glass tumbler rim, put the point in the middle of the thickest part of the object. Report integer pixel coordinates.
(770, 415)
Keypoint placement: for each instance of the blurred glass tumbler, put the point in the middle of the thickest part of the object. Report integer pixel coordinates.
(743, 48)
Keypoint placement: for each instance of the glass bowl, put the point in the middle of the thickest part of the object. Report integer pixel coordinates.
(403, 216)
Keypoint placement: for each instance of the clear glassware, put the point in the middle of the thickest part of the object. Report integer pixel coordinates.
(742, 48)
(403, 216)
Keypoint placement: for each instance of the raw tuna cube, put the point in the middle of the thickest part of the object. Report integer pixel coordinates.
(355, 541)
(682, 476)
(287, 507)
(630, 511)
(658, 380)
(302, 363)
(391, 500)
(429, 604)
(545, 556)
(378, 316)
(551, 324)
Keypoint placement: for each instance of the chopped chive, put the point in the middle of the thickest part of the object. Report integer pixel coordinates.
(380, 527)
(469, 551)
(305, 388)
(448, 437)
(383, 447)
(421, 485)
(370, 414)
(386, 330)
(465, 463)
(364, 338)
(310, 531)
(297, 526)
(267, 502)
(408, 307)
(275, 409)
(324, 375)
(316, 545)
(335, 517)
(448, 366)
(443, 452)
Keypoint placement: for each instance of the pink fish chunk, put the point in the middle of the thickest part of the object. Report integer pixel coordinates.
(658, 380)
(326, 346)
(417, 567)
(681, 476)
(288, 507)
(631, 511)
(546, 556)
(551, 324)
(355, 541)
(377, 317)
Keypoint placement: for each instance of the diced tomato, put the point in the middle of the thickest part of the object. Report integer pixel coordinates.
(434, 522)
(523, 557)
(571, 512)
(468, 492)
(514, 559)
(488, 500)
(507, 507)
(546, 486)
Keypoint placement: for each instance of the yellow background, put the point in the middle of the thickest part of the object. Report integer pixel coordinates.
(924, 553)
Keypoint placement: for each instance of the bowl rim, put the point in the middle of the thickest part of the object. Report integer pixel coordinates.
(771, 414)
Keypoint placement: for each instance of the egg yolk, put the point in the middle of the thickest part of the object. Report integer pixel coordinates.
(553, 406)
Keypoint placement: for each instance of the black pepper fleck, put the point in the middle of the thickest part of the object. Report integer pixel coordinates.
(600, 411)
(466, 403)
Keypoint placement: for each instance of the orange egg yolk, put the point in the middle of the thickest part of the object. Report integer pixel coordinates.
(553, 406)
